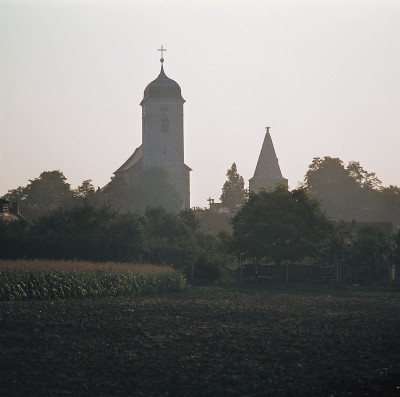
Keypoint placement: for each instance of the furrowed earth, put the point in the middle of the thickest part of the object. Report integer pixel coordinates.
(208, 341)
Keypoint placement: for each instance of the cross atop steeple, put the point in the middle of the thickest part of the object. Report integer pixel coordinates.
(267, 129)
(162, 49)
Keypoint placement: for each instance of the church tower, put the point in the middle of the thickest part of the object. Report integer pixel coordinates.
(162, 134)
(267, 174)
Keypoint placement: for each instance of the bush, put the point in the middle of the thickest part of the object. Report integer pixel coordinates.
(209, 269)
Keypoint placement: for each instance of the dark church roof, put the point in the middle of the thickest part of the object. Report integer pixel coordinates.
(134, 159)
(162, 88)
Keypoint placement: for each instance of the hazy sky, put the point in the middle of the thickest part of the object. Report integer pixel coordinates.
(325, 75)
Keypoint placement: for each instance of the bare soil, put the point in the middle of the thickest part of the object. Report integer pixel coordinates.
(204, 342)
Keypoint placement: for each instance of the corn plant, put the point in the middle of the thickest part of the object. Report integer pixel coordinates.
(22, 284)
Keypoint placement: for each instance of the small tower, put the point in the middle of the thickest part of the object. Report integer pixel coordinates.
(267, 174)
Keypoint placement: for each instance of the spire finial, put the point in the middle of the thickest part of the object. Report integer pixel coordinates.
(267, 129)
(162, 49)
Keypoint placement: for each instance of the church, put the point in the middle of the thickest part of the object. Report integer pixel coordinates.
(162, 135)
(163, 142)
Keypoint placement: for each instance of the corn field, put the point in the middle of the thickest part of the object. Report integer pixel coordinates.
(44, 280)
(81, 266)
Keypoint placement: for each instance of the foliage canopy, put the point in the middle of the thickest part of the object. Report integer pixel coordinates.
(233, 191)
(280, 225)
(350, 192)
(51, 191)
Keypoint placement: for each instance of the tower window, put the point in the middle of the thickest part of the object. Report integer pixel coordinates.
(165, 125)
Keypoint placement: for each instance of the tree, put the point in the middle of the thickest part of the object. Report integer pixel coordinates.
(13, 238)
(176, 238)
(85, 191)
(189, 219)
(233, 190)
(328, 180)
(396, 255)
(16, 195)
(149, 187)
(88, 233)
(171, 237)
(280, 226)
(351, 192)
(365, 179)
(47, 192)
(389, 204)
(371, 252)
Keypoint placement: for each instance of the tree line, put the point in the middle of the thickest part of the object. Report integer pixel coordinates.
(278, 226)
(149, 187)
(101, 234)
(273, 226)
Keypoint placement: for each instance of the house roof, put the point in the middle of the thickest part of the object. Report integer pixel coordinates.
(9, 216)
(8, 211)
(12, 211)
(32, 215)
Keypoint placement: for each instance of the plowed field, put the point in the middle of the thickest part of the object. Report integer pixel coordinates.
(204, 342)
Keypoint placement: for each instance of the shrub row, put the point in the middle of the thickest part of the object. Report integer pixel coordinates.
(44, 284)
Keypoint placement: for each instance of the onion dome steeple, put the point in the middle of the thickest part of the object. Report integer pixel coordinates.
(162, 88)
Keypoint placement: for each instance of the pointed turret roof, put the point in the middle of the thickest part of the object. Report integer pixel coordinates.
(267, 165)
(268, 173)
